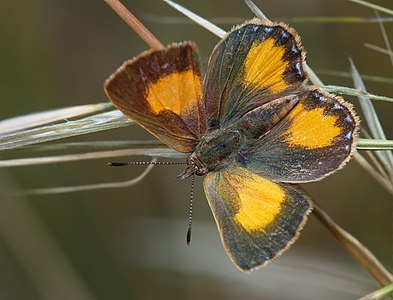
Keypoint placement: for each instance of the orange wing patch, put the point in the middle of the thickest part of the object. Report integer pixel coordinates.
(161, 91)
(176, 92)
(254, 64)
(265, 66)
(257, 219)
(258, 200)
(311, 128)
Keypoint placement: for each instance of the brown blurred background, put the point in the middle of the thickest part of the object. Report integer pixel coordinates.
(130, 243)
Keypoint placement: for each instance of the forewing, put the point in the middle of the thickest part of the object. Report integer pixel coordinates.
(255, 63)
(161, 91)
(316, 138)
(257, 219)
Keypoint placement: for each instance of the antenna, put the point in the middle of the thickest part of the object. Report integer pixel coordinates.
(188, 238)
(121, 164)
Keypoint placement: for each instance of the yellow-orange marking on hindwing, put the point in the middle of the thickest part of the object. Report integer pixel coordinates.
(258, 200)
(311, 128)
(177, 92)
(264, 66)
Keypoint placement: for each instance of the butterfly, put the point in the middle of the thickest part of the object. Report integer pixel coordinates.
(253, 127)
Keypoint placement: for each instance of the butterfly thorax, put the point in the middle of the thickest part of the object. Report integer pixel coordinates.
(213, 151)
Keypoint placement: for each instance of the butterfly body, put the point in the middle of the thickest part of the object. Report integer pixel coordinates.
(217, 146)
(252, 127)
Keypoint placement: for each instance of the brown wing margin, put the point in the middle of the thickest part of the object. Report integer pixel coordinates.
(161, 91)
(315, 139)
(255, 63)
(257, 219)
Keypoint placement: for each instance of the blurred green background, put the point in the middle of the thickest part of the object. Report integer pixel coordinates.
(130, 243)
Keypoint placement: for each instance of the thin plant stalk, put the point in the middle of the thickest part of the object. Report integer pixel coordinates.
(355, 248)
(89, 187)
(136, 25)
(380, 294)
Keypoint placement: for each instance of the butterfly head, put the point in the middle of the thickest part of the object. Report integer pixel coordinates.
(194, 167)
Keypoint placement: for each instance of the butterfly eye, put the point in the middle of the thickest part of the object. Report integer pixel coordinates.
(200, 171)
